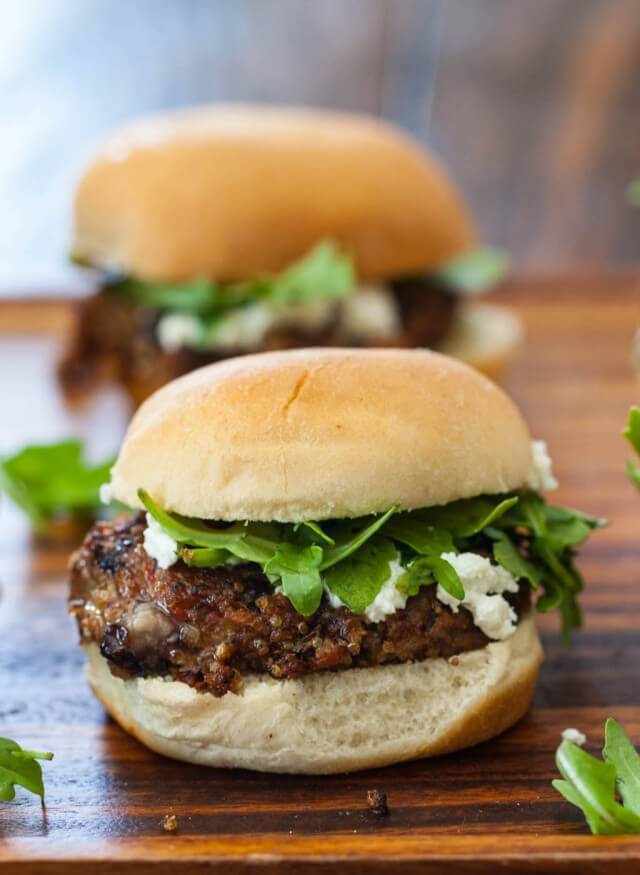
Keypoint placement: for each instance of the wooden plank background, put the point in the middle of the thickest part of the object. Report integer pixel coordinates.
(534, 105)
(477, 811)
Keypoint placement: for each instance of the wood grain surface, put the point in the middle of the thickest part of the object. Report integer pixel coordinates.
(481, 811)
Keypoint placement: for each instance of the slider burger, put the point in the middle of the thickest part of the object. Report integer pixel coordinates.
(331, 563)
(227, 230)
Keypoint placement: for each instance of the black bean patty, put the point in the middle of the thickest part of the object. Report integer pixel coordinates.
(208, 627)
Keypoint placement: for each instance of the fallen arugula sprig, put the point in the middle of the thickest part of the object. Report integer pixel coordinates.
(21, 768)
(53, 481)
(531, 539)
(632, 434)
(592, 785)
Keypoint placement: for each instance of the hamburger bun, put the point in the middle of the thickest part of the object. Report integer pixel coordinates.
(232, 191)
(322, 433)
(331, 721)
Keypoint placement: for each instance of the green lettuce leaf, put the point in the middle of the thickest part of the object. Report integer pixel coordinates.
(50, 481)
(20, 768)
(358, 579)
(476, 271)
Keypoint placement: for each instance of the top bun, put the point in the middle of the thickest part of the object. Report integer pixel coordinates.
(322, 433)
(230, 192)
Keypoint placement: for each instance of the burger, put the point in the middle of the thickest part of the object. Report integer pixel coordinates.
(330, 563)
(227, 230)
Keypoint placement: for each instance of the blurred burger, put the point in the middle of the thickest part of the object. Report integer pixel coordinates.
(227, 230)
(290, 595)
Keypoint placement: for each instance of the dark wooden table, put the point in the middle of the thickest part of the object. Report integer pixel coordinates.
(479, 811)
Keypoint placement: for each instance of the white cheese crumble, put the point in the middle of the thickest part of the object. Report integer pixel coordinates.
(541, 478)
(106, 493)
(178, 331)
(484, 585)
(574, 735)
(369, 312)
(334, 600)
(159, 545)
(389, 599)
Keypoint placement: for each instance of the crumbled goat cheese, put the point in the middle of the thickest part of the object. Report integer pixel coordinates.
(574, 735)
(389, 599)
(106, 493)
(178, 331)
(369, 312)
(159, 545)
(541, 478)
(484, 585)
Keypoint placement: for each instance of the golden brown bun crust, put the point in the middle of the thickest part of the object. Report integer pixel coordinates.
(233, 191)
(322, 433)
(310, 725)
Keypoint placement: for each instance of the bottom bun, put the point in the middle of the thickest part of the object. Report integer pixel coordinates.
(331, 721)
(484, 337)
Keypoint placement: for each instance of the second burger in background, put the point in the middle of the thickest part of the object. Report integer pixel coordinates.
(226, 230)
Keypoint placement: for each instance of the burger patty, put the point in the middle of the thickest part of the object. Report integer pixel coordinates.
(208, 627)
(114, 339)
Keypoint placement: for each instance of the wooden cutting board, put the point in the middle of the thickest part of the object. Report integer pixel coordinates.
(480, 811)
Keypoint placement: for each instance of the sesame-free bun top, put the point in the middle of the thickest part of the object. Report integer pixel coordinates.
(322, 433)
(231, 191)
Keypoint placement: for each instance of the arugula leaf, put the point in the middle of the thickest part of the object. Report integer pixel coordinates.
(324, 272)
(358, 580)
(50, 481)
(632, 434)
(19, 767)
(198, 296)
(507, 555)
(424, 539)
(590, 784)
(314, 530)
(619, 751)
(447, 577)
(476, 271)
(417, 575)
(298, 570)
(354, 539)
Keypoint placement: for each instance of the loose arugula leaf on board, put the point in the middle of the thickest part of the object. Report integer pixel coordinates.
(476, 271)
(20, 768)
(633, 193)
(619, 751)
(358, 579)
(50, 481)
(590, 784)
(632, 434)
